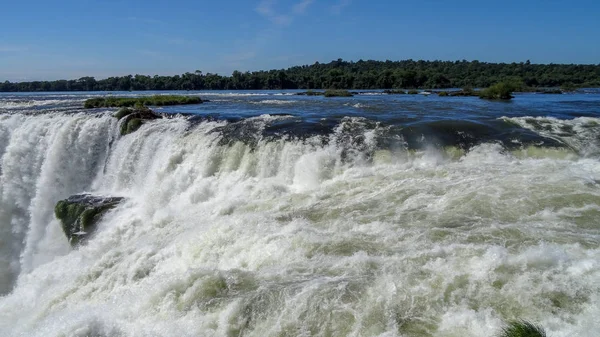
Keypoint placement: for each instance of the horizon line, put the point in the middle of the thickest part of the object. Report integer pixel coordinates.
(304, 65)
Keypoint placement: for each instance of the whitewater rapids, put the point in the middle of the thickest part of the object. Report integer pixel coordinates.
(292, 237)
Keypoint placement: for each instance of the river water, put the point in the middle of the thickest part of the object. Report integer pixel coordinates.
(265, 213)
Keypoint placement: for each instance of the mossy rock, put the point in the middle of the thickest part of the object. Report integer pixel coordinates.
(394, 92)
(133, 118)
(443, 94)
(464, 93)
(338, 93)
(123, 112)
(413, 92)
(522, 329)
(133, 124)
(80, 213)
(130, 125)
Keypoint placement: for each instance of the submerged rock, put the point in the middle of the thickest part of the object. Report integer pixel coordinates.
(80, 213)
(134, 117)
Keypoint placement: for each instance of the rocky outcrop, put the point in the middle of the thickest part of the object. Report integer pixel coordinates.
(394, 92)
(134, 117)
(80, 213)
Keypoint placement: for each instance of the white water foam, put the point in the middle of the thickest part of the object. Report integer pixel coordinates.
(357, 105)
(243, 94)
(45, 159)
(581, 133)
(291, 237)
(275, 102)
(21, 104)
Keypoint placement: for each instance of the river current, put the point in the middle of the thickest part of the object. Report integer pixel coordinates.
(266, 213)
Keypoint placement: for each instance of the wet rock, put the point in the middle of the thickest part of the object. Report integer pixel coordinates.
(80, 213)
(134, 117)
(394, 92)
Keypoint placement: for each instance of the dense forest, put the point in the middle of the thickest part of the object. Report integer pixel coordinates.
(343, 75)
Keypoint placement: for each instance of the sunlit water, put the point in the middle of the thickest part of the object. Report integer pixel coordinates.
(272, 214)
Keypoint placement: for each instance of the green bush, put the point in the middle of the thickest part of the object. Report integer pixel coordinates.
(337, 93)
(522, 329)
(443, 94)
(502, 90)
(413, 92)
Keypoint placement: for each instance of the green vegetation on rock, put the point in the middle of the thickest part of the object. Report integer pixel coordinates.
(131, 125)
(133, 118)
(394, 92)
(413, 92)
(498, 91)
(310, 93)
(68, 213)
(156, 100)
(80, 213)
(337, 93)
(443, 94)
(123, 112)
(522, 329)
(464, 92)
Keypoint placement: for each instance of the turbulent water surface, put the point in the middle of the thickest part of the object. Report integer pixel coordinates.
(272, 214)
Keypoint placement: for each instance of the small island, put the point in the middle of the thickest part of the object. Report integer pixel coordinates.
(155, 100)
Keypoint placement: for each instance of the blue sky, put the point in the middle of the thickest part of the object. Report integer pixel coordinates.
(43, 40)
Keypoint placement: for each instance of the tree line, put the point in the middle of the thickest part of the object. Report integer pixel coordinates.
(342, 74)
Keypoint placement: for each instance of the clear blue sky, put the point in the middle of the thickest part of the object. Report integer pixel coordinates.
(101, 38)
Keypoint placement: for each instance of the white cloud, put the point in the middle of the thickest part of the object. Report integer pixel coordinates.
(338, 7)
(266, 9)
(301, 6)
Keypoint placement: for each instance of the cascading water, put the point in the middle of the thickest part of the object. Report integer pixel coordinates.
(45, 159)
(229, 233)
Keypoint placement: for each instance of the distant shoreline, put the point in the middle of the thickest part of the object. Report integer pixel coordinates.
(361, 75)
